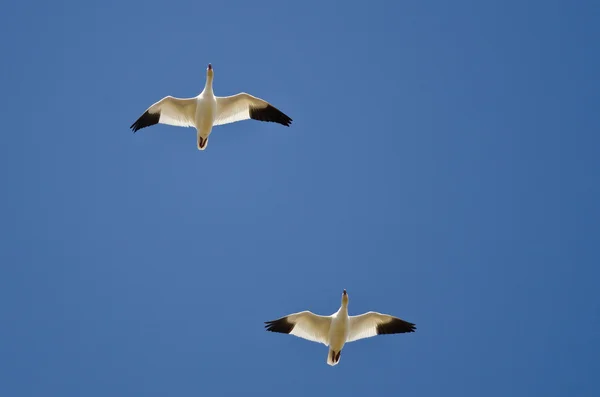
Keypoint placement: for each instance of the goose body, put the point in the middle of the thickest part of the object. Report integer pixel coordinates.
(207, 110)
(339, 328)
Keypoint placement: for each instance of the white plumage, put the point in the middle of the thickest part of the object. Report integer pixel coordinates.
(207, 110)
(339, 328)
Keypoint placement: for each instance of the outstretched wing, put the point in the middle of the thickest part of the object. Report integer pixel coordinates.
(304, 325)
(169, 110)
(373, 324)
(244, 107)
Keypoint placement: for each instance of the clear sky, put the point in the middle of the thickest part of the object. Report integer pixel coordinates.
(442, 167)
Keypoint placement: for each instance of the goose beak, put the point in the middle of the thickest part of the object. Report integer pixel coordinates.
(344, 293)
(209, 66)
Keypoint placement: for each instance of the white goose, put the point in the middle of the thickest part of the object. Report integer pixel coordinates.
(207, 110)
(339, 328)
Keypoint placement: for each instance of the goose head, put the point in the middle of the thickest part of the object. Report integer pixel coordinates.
(344, 298)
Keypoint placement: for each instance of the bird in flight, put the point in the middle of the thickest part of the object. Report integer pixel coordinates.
(207, 110)
(339, 328)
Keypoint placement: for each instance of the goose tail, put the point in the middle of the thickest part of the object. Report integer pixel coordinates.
(333, 357)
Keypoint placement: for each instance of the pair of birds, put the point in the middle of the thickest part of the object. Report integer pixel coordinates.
(206, 111)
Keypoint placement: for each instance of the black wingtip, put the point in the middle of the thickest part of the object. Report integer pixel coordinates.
(396, 326)
(270, 114)
(145, 120)
(281, 325)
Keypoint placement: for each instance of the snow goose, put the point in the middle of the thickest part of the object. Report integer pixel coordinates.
(339, 328)
(207, 110)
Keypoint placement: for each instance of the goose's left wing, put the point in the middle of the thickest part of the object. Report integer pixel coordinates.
(244, 107)
(373, 324)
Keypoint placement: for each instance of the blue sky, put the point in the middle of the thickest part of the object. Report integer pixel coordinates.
(442, 167)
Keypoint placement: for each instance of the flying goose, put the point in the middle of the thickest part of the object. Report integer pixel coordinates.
(339, 328)
(207, 110)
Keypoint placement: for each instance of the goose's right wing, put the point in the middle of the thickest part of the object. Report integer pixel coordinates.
(304, 325)
(169, 110)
